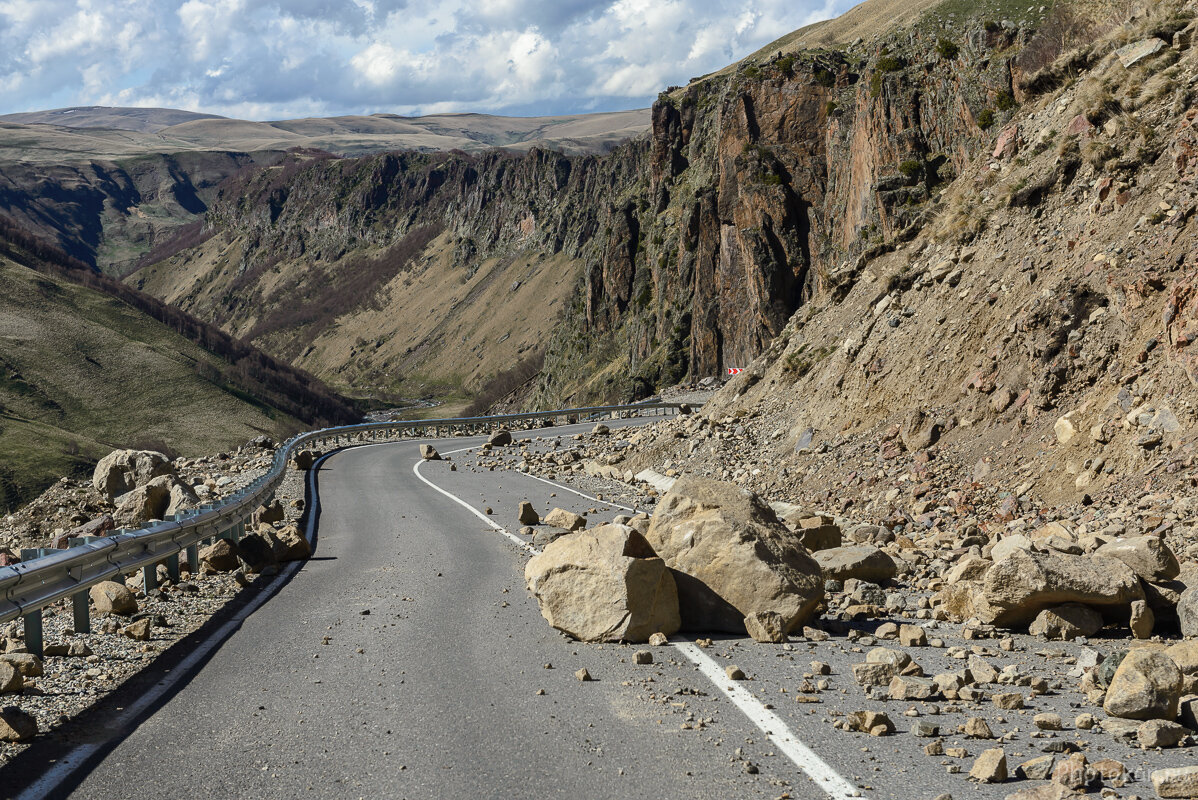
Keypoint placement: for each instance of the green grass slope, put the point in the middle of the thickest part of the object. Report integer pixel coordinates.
(82, 373)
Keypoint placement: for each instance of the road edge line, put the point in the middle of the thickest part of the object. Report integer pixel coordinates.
(79, 755)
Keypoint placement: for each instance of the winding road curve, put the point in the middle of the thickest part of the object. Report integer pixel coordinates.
(407, 660)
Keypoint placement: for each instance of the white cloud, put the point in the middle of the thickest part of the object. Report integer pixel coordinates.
(282, 58)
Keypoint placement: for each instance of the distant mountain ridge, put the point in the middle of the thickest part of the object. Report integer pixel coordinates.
(103, 132)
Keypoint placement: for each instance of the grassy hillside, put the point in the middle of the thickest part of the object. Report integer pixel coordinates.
(88, 365)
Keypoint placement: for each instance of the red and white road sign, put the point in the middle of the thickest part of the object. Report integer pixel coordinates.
(735, 370)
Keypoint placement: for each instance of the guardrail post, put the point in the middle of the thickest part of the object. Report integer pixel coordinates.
(83, 622)
(172, 566)
(193, 558)
(149, 578)
(33, 633)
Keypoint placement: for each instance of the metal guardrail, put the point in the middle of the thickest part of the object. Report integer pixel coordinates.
(28, 587)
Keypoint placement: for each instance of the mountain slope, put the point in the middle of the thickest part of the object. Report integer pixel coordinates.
(83, 372)
(1026, 356)
(755, 191)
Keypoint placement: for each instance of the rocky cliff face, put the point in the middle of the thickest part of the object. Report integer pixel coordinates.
(110, 214)
(754, 192)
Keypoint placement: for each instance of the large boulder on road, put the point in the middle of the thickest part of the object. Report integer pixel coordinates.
(732, 557)
(604, 585)
(123, 471)
(1018, 588)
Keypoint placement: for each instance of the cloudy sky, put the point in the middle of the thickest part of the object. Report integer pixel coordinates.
(290, 58)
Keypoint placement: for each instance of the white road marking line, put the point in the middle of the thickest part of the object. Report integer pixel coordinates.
(79, 755)
(775, 729)
(473, 510)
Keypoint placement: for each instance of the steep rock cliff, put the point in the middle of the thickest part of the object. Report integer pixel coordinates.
(755, 191)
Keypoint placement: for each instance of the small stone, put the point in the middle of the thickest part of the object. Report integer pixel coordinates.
(734, 673)
(583, 675)
(976, 728)
(1143, 620)
(925, 728)
(527, 515)
(912, 636)
(659, 639)
(1008, 701)
(642, 657)
(766, 627)
(1047, 721)
(1071, 773)
(990, 766)
(138, 630)
(111, 597)
(1160, 733)
(16, 725)
(1084, 722)
(11, 680)
(1036, 769)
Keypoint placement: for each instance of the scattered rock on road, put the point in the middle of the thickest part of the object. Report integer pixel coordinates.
(527, 514)
(429, 453)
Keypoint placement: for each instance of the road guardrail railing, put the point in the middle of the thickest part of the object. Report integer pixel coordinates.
(50, 575)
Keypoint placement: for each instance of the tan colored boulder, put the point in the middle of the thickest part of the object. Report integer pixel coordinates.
(527, 514)
(732, 557)
(29, 665)
(1024, 584)
(220, 556)
(16, 725)
(1066, 622)
(766, 626)
(429, 453)
(295, 546)
(1185, 656)
(269, 512)
(11, 679)
(561, 518)
(604, 585)
(304, 459)
(961, 601)
(1008, 546)
(139, 630)
(863, 562)
(111, 597)
(1187, 611)
(181, 496)
(1147, 685)
(123, 471)
(1177, 782)
(990, 766)
(143, 504)
(1148, 556)
(500, 438)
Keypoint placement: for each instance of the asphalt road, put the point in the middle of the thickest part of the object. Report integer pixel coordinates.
(407, 660)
